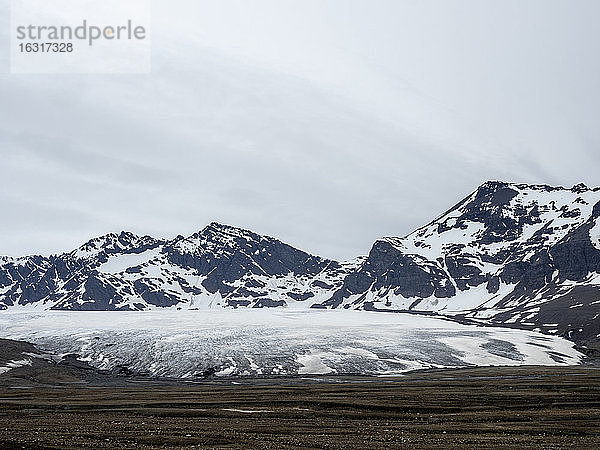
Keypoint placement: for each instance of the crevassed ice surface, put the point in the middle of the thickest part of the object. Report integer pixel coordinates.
(278, 342)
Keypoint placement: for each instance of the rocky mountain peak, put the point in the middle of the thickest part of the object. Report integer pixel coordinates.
(110, 243)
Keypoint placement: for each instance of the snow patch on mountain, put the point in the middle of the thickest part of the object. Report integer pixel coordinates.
(10, 365)
(119, 263)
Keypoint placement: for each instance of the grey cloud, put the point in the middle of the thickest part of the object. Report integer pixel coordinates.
(327, 124)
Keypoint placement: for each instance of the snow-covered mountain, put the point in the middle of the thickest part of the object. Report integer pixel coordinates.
(218, 266)
(527, 255)
(511, 254)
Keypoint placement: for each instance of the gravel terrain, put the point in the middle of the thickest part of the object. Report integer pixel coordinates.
(545, 407)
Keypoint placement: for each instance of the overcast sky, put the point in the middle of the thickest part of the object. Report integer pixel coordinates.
(325, 123)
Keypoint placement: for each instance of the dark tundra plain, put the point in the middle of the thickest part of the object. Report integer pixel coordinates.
(70, 405)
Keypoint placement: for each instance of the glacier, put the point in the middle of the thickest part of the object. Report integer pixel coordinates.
(278, 342)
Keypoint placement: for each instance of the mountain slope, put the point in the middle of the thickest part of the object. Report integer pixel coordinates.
(508, 253)
(218, 266)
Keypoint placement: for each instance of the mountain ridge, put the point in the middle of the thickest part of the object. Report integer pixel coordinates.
(508, 253)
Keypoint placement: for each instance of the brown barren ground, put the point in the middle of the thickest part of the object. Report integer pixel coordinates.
(532, 407)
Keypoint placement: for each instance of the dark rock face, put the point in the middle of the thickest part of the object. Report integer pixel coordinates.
(24, 277)
(241, 252)
(462, 268)
(575, 256)
(487, 208)
(387, 269)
